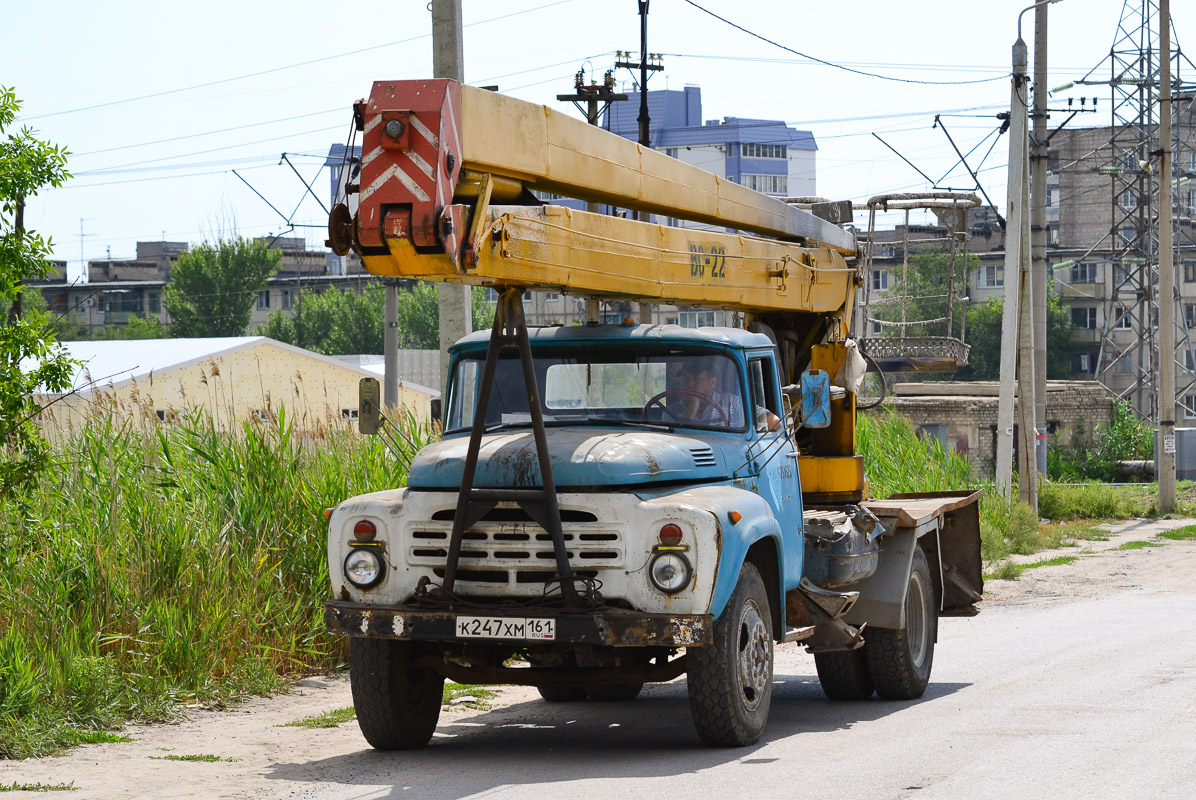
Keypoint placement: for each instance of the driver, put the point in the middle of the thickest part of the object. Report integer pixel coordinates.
(705, 395)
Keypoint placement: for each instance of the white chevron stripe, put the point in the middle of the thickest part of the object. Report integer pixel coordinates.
(370, 156)
(418, 161)
(423, 131)
(393, 171)
(372, 122)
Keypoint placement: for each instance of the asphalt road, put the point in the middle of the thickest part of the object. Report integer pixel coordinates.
(1075, 681)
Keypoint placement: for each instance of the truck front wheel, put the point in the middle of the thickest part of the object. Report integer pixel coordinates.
(730, 681)
(397, 704)
(899, 660)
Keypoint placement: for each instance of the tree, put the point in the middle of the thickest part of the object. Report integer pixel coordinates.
(213, 288)
(30, 358)
(339, 322)
(984, 335)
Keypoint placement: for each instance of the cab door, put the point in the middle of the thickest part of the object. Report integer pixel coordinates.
(774, 457)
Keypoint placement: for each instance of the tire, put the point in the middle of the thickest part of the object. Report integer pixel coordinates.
(397, 705)
(899, 661)
(730, 682)
(614, 692)
(562, 694)
(844, 674)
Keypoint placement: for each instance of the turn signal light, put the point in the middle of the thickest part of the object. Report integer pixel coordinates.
(670, 534)
(735, 516)
(365, 530)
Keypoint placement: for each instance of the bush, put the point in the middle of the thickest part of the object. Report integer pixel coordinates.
(1125, 438)
(1062, 501)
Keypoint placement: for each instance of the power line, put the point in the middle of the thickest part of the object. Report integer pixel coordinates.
(841, 66)
(281, 69)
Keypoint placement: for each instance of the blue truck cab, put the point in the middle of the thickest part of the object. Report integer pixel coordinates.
(683, 547)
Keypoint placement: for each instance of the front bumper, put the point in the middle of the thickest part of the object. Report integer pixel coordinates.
(612, 627)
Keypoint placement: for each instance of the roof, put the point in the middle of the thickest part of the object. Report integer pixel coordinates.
(379, 369)
(677, 334)
(114, 363)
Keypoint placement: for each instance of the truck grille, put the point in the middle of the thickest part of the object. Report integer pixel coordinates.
(506, 547)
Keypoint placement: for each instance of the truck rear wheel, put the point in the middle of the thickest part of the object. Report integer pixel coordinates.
(899, 661)
(397, 705)
(562, 694)
(614, 692)
(730, 682)
(844, 674)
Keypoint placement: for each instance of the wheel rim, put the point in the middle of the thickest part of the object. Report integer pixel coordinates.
(755, 656)
(916, 616)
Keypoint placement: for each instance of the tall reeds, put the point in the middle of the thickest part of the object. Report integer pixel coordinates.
(159, 564)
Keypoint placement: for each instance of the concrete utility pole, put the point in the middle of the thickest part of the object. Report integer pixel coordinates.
(448, 61)
(1017, 324)
(1166, 411)
(1038, 232)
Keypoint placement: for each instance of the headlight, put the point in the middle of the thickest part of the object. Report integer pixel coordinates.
(669, 572)
(363, 567)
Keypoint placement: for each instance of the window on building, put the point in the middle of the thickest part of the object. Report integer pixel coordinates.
(155, 302)
(1083, 272)
(551, 297)
(880, 280)
(1129, 199)
(933, 430)
(1128, 234)
(1189, 404)
(991, 277)
(491, 295)
(1190, 315)
(1085, 363)
(1190, 272)
(1190, 360)
(1122, 319)
(287, 299)
(752, 150)
(263, 300)
(1084, 318)
(696, 319)
(877, 329)
(768, 184)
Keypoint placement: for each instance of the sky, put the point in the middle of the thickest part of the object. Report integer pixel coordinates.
(160, 102)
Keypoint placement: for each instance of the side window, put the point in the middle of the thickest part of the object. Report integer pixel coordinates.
(763, 386)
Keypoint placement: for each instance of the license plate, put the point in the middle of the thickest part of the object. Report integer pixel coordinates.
(531, 628)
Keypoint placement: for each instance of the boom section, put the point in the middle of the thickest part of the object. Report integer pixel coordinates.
(444, 195)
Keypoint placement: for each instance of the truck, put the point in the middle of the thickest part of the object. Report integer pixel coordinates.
(612, 504)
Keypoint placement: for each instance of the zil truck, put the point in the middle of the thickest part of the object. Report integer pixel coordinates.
(612, 504)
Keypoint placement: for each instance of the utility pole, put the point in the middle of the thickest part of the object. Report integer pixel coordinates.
(1166, 409)
(647, 63)
(1017, 330)
(448, 61)
(1038, 233)
(592, 96)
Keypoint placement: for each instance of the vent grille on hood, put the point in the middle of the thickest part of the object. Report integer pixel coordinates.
(703, 457)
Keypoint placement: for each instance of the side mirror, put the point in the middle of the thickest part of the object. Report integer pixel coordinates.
(369, 406)
(815, 398)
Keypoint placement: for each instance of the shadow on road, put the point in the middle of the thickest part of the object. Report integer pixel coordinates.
(536, 742)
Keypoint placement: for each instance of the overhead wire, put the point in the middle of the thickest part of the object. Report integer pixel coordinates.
(841, 66)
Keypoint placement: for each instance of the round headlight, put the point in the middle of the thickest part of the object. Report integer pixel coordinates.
(363, 567)
(669, 572)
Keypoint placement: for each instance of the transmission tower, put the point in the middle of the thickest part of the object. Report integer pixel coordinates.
(1129, 359)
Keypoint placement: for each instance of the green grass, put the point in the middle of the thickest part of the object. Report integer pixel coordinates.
(1069, 501)
(1138, 545)
(203, 758)
(329, 719)
(453, 691)
(1179, 534)
(1009, 571)
(897, 460)
(161, 566)
(38, 787)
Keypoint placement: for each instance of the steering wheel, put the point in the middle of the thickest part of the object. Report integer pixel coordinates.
(705, 401)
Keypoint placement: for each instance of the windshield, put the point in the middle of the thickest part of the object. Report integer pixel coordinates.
(663, 386)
